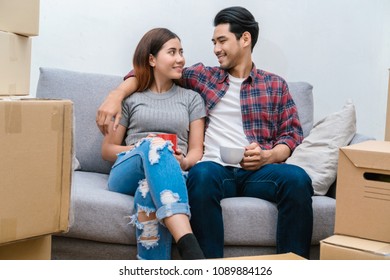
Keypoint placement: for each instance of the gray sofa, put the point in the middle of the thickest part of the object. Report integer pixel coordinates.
(99, 226)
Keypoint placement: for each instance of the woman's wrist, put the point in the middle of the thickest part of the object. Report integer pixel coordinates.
(185, 164)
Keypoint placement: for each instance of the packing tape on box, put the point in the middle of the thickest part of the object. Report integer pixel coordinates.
(13, 117)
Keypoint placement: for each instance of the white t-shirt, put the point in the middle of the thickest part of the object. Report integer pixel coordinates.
(225, 124)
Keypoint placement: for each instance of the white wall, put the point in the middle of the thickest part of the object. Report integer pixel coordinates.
(342, 47)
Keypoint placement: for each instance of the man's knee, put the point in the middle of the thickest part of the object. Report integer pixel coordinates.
(301, 176)
(200, 168)
(299, 182)
(202, 182)
(200, 173)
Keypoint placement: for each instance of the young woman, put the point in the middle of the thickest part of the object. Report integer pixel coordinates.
(146, 166)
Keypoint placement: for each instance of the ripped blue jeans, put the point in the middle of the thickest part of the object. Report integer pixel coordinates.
(153, 176)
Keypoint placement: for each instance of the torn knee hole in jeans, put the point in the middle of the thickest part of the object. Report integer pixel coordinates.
(149, 237)
(156, 145)
(146, 221)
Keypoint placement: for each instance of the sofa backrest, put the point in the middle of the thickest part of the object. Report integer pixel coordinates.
(88, 90)
(302, 94)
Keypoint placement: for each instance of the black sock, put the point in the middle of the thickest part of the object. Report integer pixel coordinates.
(189, 248)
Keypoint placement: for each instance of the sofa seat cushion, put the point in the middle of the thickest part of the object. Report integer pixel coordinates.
(98, 214)
(101, 215)
(252, 222)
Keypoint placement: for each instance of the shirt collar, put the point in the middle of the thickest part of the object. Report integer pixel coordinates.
(223, 75)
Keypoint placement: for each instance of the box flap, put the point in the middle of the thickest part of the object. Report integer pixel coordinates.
(369, 154)
(370, 246)
(20, 16)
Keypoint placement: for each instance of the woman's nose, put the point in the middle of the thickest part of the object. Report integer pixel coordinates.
(180, 58)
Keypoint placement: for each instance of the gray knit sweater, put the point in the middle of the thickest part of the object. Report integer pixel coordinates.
(169, 112)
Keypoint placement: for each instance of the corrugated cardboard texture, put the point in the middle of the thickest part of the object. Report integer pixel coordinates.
(30, 249)
(15, 64)
(338, 247)
(363, 191)
(35, 167)
(20, 16)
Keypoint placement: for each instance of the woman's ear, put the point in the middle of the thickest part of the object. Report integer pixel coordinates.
(152, 60)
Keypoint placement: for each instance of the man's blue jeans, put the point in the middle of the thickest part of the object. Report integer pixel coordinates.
(287, 185)
(152, 174)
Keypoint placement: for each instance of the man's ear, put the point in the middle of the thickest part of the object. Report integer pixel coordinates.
(247, 38)
(152, 60)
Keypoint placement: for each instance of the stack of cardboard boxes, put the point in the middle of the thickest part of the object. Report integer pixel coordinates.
(362, 226)
(35, 144)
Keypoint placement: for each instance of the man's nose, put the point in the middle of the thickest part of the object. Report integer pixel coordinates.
(217, 49)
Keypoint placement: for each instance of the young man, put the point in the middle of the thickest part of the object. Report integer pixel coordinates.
(246, 107)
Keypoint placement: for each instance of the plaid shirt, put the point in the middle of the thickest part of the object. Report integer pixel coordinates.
(269, 114)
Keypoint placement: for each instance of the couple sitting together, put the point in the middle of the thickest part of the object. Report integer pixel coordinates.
(178, 192)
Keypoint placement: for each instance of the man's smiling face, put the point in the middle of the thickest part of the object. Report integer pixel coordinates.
(226, 46)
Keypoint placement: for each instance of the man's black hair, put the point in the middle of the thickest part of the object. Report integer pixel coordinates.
(240, 20)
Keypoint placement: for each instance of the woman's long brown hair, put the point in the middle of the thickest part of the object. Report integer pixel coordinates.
(150, 44)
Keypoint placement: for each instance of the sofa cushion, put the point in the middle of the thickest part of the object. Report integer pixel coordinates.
(98, 214)
(101, 215)
(302, 94)
(87, 91)
(252, 222)
(318, 154)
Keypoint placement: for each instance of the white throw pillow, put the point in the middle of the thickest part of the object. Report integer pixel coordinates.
(318, 154)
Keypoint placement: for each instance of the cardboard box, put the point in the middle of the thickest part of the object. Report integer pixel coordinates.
(363, 191)
(287, 256)
(387, 131)
(20, 16)
(339, 247)
(30, 249)
(35, 167)
(15, 64)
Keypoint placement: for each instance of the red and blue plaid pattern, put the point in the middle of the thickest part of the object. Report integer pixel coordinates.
(269, 114)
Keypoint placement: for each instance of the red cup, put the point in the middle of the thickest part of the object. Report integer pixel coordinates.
(171, 137)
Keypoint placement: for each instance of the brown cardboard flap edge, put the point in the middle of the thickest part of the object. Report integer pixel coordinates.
(67, 165)
(285, 256)
(369, 154)
(365, 245)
